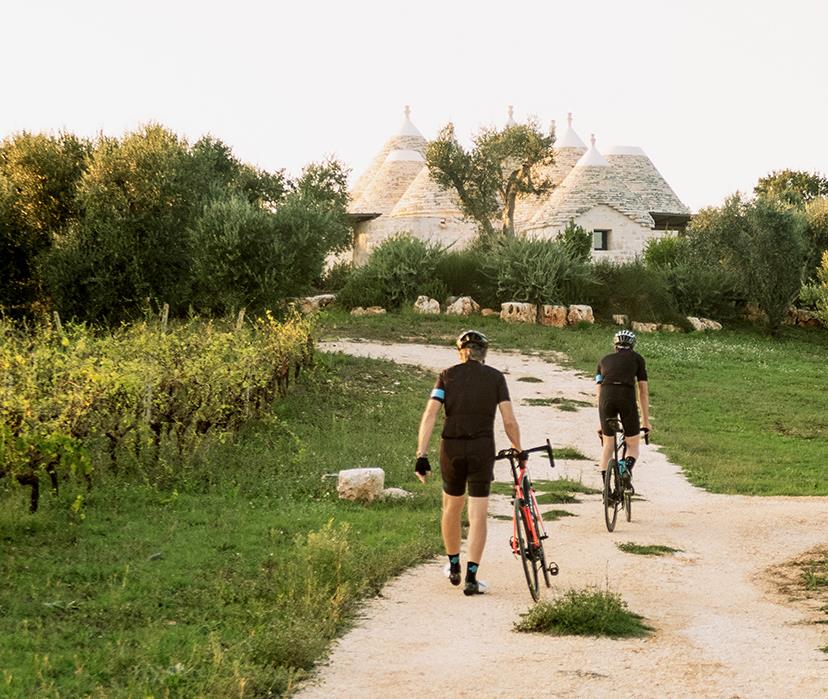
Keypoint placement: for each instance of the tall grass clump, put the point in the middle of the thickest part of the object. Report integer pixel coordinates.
(398, 270)
(633, 289)
(588, 612)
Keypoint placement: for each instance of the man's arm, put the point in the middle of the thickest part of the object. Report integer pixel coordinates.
(510, 423)
(426, 428)
(644, 399)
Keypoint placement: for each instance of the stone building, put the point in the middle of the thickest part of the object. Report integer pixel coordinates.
(620, 197)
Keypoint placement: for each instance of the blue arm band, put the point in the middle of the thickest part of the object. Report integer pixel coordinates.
(439, 394)
(598, 378)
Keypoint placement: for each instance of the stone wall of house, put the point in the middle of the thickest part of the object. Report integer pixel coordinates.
(449, 231)
(626, 239)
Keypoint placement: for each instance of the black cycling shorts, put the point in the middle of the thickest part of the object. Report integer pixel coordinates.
(618, 401)
(467, 461)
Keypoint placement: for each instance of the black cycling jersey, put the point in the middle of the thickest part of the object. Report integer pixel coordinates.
(617, 373)
(621, 368)
(470, 392)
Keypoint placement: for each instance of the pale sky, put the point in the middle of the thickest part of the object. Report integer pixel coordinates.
(718, 93)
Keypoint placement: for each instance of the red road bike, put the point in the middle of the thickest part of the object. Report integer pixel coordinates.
(529, 531)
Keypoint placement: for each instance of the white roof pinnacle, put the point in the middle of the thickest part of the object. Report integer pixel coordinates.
(570, 139)
(408, 128)
(510, 121)
(592, 157)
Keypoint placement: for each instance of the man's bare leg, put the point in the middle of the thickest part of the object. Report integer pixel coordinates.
(478, 522)
(450, 522)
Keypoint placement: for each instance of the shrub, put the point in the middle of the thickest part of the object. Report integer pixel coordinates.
(536, 270)
(336, 276)
(632, 288)
(665, 252)
(709, 291)
(577, 241)
(462, 273)
(398, 270)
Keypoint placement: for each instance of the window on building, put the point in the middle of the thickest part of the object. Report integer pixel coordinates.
(600, 239)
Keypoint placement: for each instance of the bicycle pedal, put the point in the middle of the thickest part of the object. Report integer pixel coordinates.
(553, 569)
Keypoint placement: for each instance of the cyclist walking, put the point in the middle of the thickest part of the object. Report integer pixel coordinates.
(471, 394)
(616, 379)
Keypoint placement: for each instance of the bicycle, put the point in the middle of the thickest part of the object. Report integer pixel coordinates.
(528, 531)
(618, 491)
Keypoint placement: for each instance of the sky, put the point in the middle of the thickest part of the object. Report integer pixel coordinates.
(717, 93)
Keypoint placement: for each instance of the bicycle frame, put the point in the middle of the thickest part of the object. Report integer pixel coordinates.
(528, 528)
(528, 503)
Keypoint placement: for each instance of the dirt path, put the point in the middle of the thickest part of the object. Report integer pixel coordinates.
(722, 629)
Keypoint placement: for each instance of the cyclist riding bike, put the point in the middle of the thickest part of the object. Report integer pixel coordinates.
(471, 394)
(616, 379)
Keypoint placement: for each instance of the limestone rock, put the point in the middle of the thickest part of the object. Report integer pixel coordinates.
(668, 328)
(365, 484)
(554, 316)
(580, 314)
(518, 312)
(396, 494)
(427, 306)
(701, 324)
(644, 327)
(463, 306)
(370, 311)
(312, 304)
(803, 317)
(486, 312)
(620, 319)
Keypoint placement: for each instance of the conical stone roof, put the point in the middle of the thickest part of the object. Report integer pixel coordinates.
(425, 198)
(641, 176)
(567, 153)
(407, 137)
(592, 182)
(393, 178)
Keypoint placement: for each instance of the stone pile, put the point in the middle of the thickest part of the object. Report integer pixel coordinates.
(370, 311)
(425, 305)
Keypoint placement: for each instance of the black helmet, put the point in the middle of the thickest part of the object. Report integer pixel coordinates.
(624, 338)
(471, 337)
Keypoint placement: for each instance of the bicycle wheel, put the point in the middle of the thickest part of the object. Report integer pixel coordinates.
(529, 567)
(540, 554)
(628, 503)
(612, 486)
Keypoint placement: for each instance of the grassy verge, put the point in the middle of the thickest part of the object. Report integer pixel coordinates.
(231, 581)
(647, 549)
(741, 412)
(589, 612)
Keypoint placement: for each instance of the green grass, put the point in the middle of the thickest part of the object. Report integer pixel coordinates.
(565, 404)
(236, 577)
(814, 574)
(552, 515)
(530, 379)
(647, 549)
(570, 453)
(740, 411)
(588, 612)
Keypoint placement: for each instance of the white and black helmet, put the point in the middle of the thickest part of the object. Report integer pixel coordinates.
(472, 337)
(624, 338)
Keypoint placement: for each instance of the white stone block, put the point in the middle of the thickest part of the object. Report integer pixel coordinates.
(620, 319)
(554, 316)
(518, 312)
(463, 306)
(365, 484)
(580, 314)
(644, 327)
(427, 306)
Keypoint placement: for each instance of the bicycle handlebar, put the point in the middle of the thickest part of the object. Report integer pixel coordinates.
(515, 455)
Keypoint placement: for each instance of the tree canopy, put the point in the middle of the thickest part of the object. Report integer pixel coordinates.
(501, 164)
